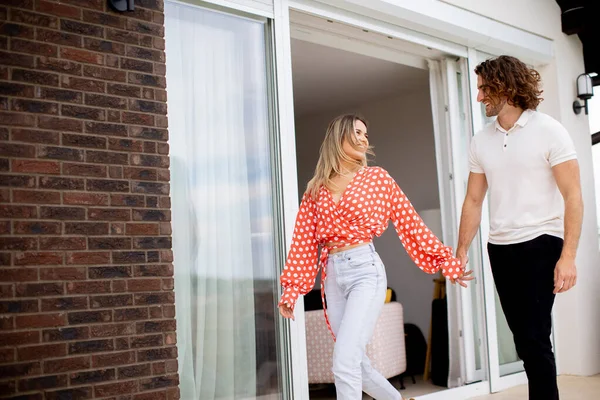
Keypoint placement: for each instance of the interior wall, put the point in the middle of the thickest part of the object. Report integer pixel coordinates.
(401, 130)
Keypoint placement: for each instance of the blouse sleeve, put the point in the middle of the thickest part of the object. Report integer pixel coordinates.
(425, 249)
(300, 271)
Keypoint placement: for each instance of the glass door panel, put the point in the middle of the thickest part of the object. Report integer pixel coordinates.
(224, 219)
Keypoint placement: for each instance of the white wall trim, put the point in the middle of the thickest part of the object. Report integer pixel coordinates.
(456, 25)
(347, 16)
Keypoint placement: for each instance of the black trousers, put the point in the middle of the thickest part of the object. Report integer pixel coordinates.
(524, 278)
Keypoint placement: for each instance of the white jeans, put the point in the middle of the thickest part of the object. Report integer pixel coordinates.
(355, 292)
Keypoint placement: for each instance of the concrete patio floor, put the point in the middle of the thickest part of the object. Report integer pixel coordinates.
(571, 388)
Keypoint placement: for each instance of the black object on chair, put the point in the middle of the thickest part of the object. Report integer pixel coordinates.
(416, 350)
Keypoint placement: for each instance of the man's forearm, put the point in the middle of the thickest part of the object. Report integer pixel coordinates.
(573, 220)
(469, 224)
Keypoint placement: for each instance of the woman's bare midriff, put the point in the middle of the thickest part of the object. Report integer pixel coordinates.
(333, 251)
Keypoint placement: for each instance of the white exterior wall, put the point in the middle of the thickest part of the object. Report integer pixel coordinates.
(577, 320)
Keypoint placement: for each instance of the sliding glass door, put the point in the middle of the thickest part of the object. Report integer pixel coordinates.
(226, 238)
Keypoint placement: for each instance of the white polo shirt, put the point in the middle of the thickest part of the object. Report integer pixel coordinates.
(524, 199)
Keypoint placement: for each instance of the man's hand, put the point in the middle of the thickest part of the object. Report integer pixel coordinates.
(463, 278)
(565, 275)
(461, 254)
(286, 311)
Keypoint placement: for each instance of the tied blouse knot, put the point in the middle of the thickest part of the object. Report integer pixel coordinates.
(371, 199)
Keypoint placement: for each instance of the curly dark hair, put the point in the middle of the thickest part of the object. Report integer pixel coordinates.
(510, 77)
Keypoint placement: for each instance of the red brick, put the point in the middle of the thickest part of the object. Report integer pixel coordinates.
(16, 30)
(113, 301)
(83, 56)
(62, 274)
(157, 354)
(63, 95)
(37, 228)
(107, 74)
(19, 338)
(93, 142)
(84, 170)
(18, 275)
(16, 150)
(26, 46)
(31, 166)
(65, 303)
(19, 306)
(151, 396)
(58, 9)
(18, 243)
(61, 38)
(62, 66)
(113, 389)
(93, 199)
(60, 124)
(138, 119)
(91, 258)
(33, 136)
(7, 323)
(88, 287)
(64, 334)
(66, 365)
(109, 214)
(109, 360)
(62, 243)
(40, 352)
(20, 370)
(113, 330)
(46, 182)
(36, 197)
(86, 228)
(17, 60)
(38, 258)
(101, 18)
(80, 393)
(143, 174)
(89, 317)
(17, 181)
(131, 314)
(87, 85)
(16, 89)
(110, 272)
(41, 320)
(6, 356)
(144, 285)
(141, 229)
(40, 78)
(34, 18)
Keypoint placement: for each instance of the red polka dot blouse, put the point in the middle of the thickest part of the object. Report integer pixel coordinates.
(370, 200)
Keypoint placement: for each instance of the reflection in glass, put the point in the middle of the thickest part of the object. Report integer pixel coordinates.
(222, 205)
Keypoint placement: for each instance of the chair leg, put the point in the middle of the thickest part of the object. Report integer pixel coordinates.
(413, 379)
(402, 387)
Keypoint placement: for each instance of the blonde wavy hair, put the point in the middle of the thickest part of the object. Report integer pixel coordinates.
(331, 153)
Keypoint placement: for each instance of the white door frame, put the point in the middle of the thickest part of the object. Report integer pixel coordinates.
(506, 39)
(498, 382)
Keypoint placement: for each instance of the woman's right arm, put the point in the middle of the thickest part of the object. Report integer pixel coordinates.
(300, 271)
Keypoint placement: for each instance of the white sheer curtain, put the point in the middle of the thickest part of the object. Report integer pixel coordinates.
(216, 82)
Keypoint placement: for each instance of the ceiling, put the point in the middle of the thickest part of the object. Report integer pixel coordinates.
(326, 78)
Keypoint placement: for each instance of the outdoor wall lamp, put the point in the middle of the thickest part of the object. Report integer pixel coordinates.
(585, 91)
(121, 5)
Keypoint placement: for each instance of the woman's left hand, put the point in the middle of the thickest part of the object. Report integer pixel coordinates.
(463, 278)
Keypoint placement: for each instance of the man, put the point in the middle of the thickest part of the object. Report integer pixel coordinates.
(528, 161)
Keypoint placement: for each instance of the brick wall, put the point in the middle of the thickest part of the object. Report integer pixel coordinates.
(86, 280)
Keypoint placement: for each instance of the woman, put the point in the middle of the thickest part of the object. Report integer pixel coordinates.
(345, 205)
